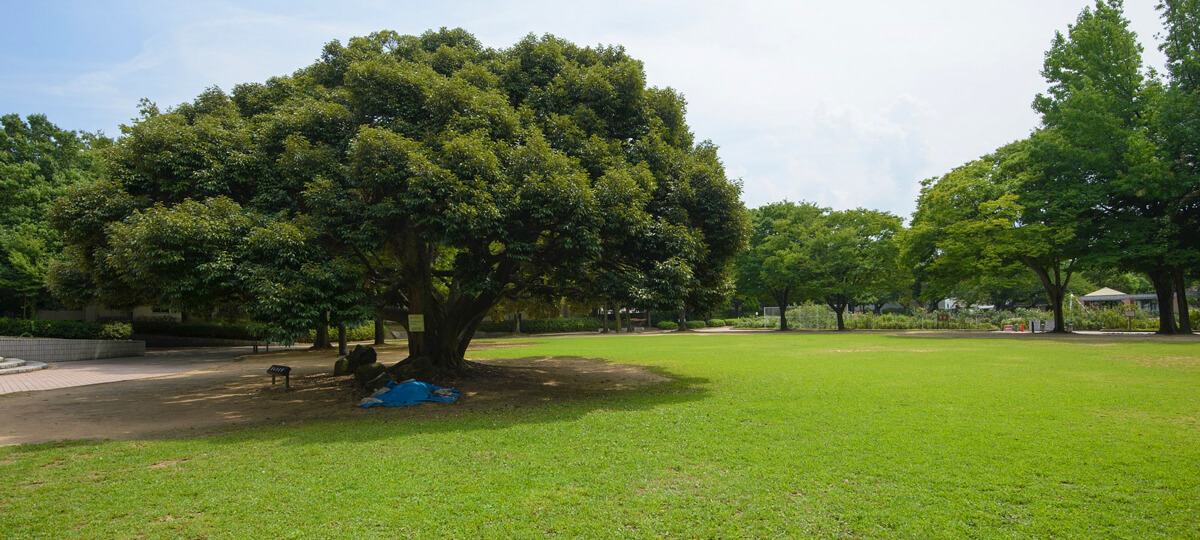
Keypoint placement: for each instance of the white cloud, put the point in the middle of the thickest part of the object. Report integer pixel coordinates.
(845, 104)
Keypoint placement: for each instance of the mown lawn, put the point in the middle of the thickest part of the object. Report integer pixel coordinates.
(796, 435)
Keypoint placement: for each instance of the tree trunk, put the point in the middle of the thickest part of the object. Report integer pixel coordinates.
(683, 327)
(450, 316)
(1184, 318)
(1165, 291)
(321, 334)
(782, 299)
(629, 322)
(838, 303)
(433, 344)
(617, 319)
(517, 324)
(1055, 287)
(604, 318)
(380, 331)
(342, 348)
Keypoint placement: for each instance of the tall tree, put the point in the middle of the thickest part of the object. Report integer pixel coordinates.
(442, 177)
(986, 224)
(1098, 153)
(38, 162)
(1178, 137)
(776, 265)
(856, 256)
(943, 245)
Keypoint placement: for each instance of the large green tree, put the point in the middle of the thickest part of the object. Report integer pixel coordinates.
(855, 257)
(38, 162)
(986, 224)
(1099, 153)
(776, 264)
(432, 176)
(801, 252)
(949, 257)
(1178, 137)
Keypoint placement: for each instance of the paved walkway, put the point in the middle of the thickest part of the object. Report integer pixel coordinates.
(85, 372)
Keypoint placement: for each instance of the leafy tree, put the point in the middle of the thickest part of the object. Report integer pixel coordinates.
(1178, 137)
(856, 256)
(802, 252)
(980, 227)
(951, 259)
(427, 175)
(1098, 151)
(38, 161)
(776, 265)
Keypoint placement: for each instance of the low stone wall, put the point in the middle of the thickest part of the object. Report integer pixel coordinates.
(67, 350)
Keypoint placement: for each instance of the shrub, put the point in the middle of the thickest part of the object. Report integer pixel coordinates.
(715, 323)
(197, 330)
(696, 324)
(551, 326)
(116, 330)
(568, 324)
(757, 322)
(364, 332)
(731, 322)
(63, 329)
(667, 325)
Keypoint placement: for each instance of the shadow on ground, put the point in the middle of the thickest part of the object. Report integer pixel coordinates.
(226, 398)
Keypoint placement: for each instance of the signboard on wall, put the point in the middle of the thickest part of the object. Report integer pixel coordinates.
(416, 323)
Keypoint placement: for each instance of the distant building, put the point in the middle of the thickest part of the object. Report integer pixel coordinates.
(1107, 297)
(953, 304)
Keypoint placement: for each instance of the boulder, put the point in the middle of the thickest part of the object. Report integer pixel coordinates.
(368, 373)
(360, 356)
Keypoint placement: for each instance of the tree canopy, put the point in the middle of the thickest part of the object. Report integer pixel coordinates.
(800, 251)
(38, 162)
(776, 264)
(413, 175)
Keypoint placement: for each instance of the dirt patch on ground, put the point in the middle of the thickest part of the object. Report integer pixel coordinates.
(239, 392)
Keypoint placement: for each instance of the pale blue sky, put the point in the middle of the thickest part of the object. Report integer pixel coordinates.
(846, 104)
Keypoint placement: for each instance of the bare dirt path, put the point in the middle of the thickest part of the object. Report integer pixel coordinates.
(218, 390)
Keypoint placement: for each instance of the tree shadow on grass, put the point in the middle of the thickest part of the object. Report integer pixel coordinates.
(532, 390)
(321, 408)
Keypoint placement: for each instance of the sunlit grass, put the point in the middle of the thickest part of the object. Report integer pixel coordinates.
(760, 436)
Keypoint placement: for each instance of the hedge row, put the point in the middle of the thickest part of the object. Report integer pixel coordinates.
(64, 329)
(195, 330)
(821, 318)
(365, 332)
(552, 326)
(711, 323)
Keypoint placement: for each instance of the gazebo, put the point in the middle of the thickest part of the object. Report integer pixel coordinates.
(1110, 297)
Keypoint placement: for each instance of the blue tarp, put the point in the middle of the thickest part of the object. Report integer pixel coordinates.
(410, 393)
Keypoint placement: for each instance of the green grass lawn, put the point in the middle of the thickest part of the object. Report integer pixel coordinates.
(760, 436)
